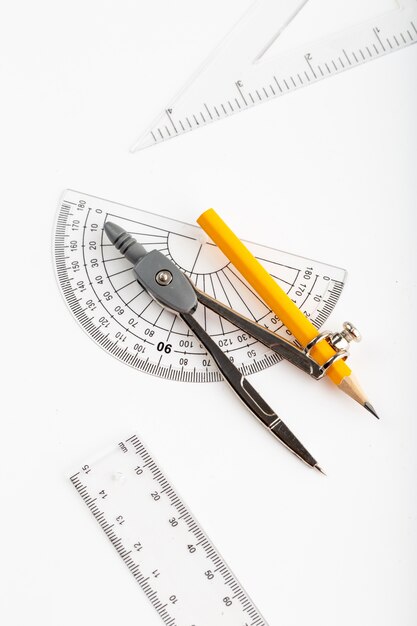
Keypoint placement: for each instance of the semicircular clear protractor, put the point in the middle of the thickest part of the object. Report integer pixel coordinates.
(101, 291)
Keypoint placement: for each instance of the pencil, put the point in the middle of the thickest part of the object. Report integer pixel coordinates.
(281, 304)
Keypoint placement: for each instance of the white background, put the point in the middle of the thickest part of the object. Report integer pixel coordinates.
(327, 172)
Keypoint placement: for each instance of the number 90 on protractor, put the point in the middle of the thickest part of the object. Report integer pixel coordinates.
(100, 289)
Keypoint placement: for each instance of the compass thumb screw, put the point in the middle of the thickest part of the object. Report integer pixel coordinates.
(350, 332)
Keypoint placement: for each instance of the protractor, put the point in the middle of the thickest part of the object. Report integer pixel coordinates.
(100, 290)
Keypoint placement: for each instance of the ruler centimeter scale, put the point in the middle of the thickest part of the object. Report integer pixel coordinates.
(102, 293)
(164, 547)
(239, 74)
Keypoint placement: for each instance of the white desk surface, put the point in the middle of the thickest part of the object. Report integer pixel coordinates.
(79, 81)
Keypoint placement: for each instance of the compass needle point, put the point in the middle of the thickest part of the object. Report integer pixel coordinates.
(135, 320)
(169, 286)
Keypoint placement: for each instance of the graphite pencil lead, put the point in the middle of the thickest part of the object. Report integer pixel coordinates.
(368, 406)
(351, 387)
(317, 467)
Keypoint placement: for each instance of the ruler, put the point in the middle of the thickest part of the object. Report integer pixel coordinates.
(160, 541)
(243, 71)
(102, 293)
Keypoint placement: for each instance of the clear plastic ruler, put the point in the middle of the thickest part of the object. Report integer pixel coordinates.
(279, 46)
(160, 541)
(102, 293)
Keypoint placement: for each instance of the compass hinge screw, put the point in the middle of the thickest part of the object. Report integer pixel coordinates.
(164, 277)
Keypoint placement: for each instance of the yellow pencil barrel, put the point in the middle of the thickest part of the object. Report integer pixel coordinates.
(270, 292)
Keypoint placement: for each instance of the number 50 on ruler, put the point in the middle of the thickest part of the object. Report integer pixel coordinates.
(162, 544)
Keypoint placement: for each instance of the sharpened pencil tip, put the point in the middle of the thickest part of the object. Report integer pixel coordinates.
(317, 467)
(368, 406)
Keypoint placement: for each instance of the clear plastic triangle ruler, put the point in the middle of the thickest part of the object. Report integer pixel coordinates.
(162, 544)
(100, 289)
(274, 50)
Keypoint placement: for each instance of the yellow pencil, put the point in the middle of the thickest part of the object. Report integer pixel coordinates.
(280, 303)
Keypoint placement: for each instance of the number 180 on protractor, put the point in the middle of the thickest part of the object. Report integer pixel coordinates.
(102, 293)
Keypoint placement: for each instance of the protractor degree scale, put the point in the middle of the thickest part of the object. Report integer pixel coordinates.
(100, 289)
